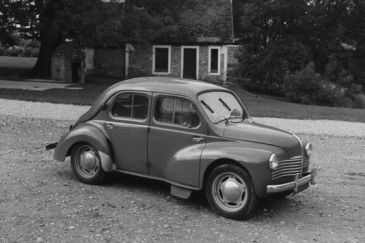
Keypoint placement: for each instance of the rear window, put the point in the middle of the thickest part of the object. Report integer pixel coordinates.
(129, 105)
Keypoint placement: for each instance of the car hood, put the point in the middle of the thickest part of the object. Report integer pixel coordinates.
(258, 133)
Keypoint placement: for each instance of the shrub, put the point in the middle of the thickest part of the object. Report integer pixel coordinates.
(266, 70)
(14, 51)
(308, 87)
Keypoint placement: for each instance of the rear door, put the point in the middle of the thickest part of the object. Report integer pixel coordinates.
(127, 126)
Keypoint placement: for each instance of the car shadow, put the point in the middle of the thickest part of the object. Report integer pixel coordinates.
(270, 207)
(136, 183)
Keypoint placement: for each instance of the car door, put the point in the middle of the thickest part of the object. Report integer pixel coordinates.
(127, 125)
(176, 140)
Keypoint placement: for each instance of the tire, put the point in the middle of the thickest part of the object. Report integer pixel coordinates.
(230, 192)
(86, 164)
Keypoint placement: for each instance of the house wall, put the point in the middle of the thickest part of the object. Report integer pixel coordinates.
(204, 66)
(89, 60)
(58, 68)
(140, 61)
(109, 62)
(232, 63)
(62, 59)
(175, 61)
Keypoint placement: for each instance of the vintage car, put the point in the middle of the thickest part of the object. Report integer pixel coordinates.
(191, 134)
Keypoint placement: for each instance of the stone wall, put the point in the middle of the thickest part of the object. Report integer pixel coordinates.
(204, 66)
(140, 61)
(109, 62)
(233, 64)
(63, 59)
(58, 68)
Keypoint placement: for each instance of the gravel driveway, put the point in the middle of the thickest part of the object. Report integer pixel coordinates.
(41, 200)
(72, 112)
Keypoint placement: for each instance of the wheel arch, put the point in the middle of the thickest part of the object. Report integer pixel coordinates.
(219, 162)
(86, 134)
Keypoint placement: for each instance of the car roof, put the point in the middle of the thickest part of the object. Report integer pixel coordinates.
(169, 85)
(165, 85)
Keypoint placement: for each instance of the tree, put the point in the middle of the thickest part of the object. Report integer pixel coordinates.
(111, 22)
(280, 37)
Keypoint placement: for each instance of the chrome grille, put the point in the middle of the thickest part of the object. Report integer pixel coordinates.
(305, 164)
(289, 167)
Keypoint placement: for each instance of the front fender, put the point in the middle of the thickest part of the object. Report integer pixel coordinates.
(251, 156)
(86, 133)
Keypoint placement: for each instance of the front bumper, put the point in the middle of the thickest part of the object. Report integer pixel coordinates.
(299, 184)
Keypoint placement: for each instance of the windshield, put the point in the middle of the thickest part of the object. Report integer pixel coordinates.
(220, 106)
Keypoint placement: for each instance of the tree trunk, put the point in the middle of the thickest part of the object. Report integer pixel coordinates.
(50, 39)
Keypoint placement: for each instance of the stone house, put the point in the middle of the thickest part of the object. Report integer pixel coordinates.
(210, 57)
(68, 63)
(204, 59)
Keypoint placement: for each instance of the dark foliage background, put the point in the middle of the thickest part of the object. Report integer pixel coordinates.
(309, 51)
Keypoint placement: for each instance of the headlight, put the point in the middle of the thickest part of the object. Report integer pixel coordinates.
(273, 162)
(308, 149)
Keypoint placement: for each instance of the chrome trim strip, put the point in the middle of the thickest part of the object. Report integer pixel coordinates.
(158, 179)
(293, 185)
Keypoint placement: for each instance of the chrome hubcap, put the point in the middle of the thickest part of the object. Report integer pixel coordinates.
(87, 161)
(230, 191)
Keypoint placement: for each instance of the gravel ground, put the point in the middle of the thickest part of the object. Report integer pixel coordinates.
(41, 200)
(72, 113)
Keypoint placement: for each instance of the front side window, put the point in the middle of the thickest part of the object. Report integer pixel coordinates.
(176, 111)
(128, 105)
(220, 106)
(161, 59)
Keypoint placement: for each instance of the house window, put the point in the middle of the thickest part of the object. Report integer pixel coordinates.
(161, 59)
(214, 61)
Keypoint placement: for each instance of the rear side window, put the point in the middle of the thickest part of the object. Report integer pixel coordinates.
(128, 105)
(176, 111)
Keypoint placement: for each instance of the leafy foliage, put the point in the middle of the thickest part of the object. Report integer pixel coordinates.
(306, 86)
(282, 37)
(110, 23)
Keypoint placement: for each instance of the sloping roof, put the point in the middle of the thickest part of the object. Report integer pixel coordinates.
(169, 85)
(184, 87)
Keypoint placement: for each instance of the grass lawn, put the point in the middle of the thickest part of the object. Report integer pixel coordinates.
(15, 67)
(262, 106)
(259, 106)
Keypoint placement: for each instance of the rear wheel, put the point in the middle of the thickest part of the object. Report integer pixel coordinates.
(86, 164)
(230, 191)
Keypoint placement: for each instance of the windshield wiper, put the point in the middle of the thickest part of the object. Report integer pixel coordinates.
(207, 106)
(225, 104)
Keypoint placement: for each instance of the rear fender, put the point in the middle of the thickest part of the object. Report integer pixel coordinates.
(91, 133)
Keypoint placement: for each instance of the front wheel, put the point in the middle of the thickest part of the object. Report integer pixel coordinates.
(230, 192)
(86, 164)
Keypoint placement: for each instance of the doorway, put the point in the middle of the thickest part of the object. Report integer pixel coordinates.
(76, 72)
(190, 62)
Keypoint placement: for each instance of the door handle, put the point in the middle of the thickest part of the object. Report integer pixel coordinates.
(197, 139)
(109, 126)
